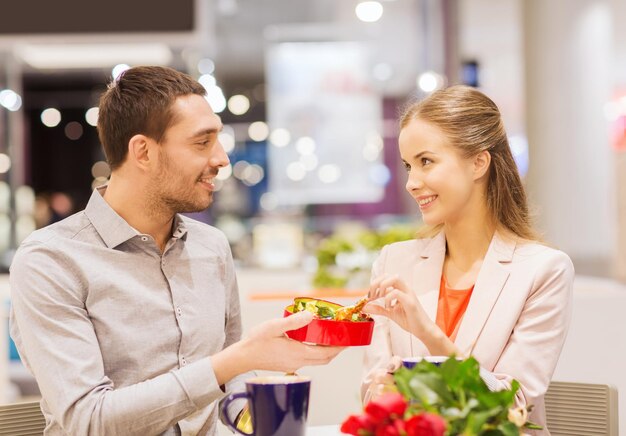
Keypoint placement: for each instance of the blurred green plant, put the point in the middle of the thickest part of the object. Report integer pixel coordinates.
(340, 258)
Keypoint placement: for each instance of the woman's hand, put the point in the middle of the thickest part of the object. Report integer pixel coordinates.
(382, 381)
(398, 303)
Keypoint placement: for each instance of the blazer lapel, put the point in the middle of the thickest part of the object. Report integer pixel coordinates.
(490, 282)
(425, 283)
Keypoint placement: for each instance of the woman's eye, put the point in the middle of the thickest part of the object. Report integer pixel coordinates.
(407, 167)
(426, 161)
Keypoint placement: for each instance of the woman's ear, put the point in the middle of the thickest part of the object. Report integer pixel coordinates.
(481, 164)
(138, 151)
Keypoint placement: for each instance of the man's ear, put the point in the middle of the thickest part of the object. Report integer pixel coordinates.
(481, 164)
(139, 151)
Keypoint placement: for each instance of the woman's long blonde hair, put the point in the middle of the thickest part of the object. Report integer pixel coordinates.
(472, 123)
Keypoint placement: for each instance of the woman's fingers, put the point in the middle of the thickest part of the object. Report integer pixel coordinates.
(396, 297)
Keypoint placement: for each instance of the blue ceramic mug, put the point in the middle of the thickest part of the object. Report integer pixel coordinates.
(410, 362)
(278, 405)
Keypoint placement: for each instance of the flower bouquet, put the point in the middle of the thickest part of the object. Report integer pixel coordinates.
(437, 400)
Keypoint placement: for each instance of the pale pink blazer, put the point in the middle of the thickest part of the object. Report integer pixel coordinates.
(516, 321)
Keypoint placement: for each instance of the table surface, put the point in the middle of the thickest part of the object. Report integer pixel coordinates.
(323, 430)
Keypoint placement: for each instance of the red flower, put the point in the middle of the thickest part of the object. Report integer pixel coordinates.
(388, 406)
(387, 429)
(426, 424)
(357, 425)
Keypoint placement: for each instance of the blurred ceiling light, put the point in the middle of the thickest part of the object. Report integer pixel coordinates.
(24, 226)
(369, 11)
(225, 172)
(100, 169)
(24, 200)
(239, 168)
(206, 66)
(519, 149)
(98, 181)
(216, 99)
(258, 131)
(10, 100)
(118, 70)
(430, 81)
(50, 117)
(227, 140)
(91, 116)
(268, 201)
(253, 174)
(73, 130)
(382, 71)
(60, 56)
(207, 80)
(296, 171)
(309, 161)
(370, 153)
(5, 197)
(5, 163)
(214, 94)
(329, 173)
(280, 137)
(305, 145)
(238, 104)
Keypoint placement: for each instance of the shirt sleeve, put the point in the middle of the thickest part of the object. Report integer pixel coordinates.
(57, 342)
(534, 347)
(233, 334)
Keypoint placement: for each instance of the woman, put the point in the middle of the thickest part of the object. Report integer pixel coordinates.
(477, 281)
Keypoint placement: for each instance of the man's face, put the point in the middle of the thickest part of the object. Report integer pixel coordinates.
(189, 157)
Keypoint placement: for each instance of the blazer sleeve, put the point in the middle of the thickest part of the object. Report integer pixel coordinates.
(535, 344)
(378, 353)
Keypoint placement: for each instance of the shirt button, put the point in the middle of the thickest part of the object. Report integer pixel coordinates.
(144, 238)
(183, 362)
(179, 311)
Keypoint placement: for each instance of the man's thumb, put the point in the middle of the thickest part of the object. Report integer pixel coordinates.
(295, 321)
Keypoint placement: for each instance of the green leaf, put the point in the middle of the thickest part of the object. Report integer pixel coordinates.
(422, 391)
(508, 429)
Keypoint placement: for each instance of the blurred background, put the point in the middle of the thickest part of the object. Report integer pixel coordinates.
(309, 92)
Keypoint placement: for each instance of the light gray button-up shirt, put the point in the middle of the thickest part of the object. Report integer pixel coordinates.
(119, 335)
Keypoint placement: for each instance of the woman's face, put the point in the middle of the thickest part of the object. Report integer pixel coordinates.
(440, 180)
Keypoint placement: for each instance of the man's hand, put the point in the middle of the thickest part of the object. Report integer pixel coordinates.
(268, 348)
(273, 350)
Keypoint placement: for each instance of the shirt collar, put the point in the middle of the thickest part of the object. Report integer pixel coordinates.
(112, 228)
(180, 228)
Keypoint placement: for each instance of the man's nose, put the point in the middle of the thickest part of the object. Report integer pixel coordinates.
(219, 158)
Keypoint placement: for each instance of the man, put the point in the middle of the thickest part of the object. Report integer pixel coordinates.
(127, 313)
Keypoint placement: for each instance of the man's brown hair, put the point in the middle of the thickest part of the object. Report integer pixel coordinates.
(140, 101)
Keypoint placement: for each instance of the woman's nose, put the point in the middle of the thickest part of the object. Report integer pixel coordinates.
(413, 183)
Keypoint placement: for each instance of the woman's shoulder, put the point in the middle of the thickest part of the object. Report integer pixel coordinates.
(543, 256)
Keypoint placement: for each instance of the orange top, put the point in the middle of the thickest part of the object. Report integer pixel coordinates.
(451, 307)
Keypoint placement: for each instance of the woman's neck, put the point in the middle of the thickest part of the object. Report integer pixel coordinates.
(468, 239)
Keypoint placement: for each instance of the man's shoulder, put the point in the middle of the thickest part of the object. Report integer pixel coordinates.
(65, 229)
